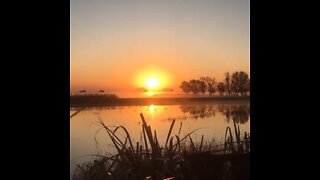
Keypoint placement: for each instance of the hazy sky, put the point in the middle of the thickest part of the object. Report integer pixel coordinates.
(113, 42)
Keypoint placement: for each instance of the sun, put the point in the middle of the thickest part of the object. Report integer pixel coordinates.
(152, 82)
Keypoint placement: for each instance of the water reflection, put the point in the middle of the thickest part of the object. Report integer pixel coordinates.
(199, 111)
(211, 119)
(151, 108)
(239, 113)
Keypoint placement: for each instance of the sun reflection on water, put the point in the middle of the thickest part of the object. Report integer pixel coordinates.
(151, 108)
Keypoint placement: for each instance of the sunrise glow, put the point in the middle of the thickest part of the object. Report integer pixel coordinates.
(152, 71)
(122, 46)
(153, 79)
(152, 82)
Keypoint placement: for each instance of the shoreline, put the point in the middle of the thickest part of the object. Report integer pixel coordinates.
(156, 101)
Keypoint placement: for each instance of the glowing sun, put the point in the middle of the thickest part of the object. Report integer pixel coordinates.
(152, 82)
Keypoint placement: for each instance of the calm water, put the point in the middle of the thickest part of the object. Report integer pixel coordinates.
(87, 139)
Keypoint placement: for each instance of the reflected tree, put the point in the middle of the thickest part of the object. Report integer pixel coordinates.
(199, 111)
(235, 112)
(238, 113)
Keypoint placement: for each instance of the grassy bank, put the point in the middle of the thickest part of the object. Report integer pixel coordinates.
(112, 100)
(179, 158)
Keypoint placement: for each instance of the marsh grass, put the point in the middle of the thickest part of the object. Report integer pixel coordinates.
(148, 160)
(85, 100)
(75, 113)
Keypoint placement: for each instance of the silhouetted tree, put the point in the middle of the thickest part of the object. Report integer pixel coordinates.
(210, 84)
(221, 88)
(101, 91)
(202, 86)
(194, 86)
(83, 91)
(185, 86)
(239, 82)
(234, 89)
(227, 83)
(248, 87)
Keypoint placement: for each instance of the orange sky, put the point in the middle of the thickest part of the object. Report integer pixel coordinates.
(115, 44)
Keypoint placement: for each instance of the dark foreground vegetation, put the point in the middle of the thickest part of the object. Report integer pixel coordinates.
(91, 99)
(179, 158)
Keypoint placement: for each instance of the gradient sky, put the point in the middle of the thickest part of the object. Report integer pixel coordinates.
(115, 41)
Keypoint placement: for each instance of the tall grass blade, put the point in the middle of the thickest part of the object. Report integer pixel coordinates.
(186, 136)
(145, 140)
(201, 143)
(75, 113)
(148, 131)
(180, 128)
(156, 140)
(154, 147)
(170, 130)
(191, 143)
(128, 136)
(228, 140)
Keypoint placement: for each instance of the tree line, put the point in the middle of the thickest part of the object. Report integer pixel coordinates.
(237, 83)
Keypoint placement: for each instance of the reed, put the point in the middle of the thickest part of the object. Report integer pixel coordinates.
(75, 113)
(200, 148)
(162, 162)
(240, 146)
(170, 130)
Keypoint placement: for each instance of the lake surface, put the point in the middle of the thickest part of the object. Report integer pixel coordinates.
(88, 139)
